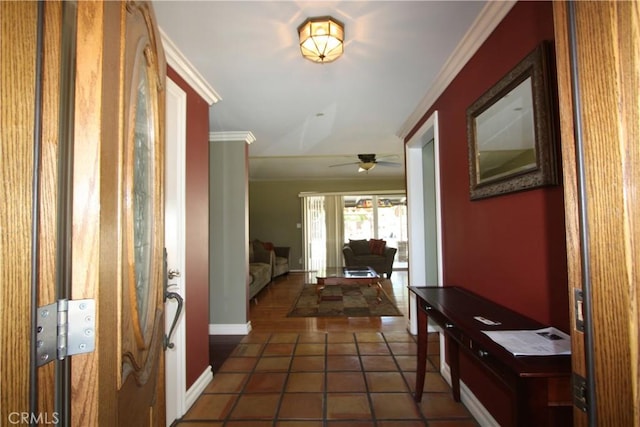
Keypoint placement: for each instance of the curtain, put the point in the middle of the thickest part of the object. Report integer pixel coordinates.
(323, 231)
(335, 235)
(314, 232)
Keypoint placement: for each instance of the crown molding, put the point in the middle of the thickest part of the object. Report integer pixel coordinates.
(187, 71)
(240, 136)
(491, 15)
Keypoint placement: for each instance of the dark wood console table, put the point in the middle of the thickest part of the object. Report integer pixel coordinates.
(540, 385)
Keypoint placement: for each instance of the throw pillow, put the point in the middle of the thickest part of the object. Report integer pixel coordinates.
(360, 247)
(376, 246)
(268, 246)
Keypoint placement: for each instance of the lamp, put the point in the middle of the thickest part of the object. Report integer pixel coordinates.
(321, 39)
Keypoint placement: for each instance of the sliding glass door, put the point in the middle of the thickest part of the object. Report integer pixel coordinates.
(330, 220)
(378, 217)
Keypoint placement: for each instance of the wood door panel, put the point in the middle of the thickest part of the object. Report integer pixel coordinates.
(608, 76)
(17, 83)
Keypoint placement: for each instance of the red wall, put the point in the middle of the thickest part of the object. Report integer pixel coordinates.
(197, 230)
(510, 249)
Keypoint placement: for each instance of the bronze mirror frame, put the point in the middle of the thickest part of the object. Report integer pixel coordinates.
(541, 167)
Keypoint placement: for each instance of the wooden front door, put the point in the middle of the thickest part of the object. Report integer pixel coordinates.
(99, 222)
(601, 168)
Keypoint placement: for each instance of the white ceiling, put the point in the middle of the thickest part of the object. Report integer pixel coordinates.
(307, 116)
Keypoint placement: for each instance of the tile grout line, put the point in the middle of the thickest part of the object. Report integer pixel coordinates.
(276, 416)
(325, 391)
(404, 378)
(366, 381)
(249, 375)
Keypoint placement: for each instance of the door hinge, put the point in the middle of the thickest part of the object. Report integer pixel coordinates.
(65, 328)
(580, 392)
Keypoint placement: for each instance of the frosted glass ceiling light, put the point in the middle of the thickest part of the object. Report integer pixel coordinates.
(321, 39)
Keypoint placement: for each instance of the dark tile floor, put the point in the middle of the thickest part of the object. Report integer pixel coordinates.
(326, 379)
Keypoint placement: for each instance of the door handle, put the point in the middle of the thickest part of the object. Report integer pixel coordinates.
(176, 296)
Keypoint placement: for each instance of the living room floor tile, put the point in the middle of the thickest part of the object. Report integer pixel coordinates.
(283, 337)
(394, 406)
(211, 407)
(312, 337)
(386, 382)
(273, 364)
(306, 406)
(338, 337)
(247, 350)
(278, 349)
(265, 382)
(239, 364)
(256, 337)
(369, 337)
(350, 423)
(341, 348)
(378, 363)
(305, 382)
(305, 423)
(378, 348)
(442, 405)
(407, 363)
(307, 363)
(352, 406)
(310, 349)
(345, 382)
(260, 406)
(227, 383)
(344, 363)
(244, 423)
(404, 348)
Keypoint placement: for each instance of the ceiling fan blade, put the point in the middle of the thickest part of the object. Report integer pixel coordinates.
(392, 164)
(345, 164)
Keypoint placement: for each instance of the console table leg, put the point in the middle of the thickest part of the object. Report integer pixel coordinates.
(454, 365)
(422, 354)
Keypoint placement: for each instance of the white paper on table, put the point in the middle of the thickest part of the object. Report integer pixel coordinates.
(541, 342)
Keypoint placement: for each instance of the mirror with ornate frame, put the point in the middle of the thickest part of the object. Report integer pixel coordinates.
(511, 131)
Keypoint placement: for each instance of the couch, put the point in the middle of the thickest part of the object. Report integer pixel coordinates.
(373, 253)
(261, 261)
(266, 262)
(280, 261)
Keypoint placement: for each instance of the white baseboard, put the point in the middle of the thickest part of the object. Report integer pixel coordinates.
(479, 412)
(230, 329)
(198, 388)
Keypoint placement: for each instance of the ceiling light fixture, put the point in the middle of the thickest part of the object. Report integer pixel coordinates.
(321, 39)
(366, 166)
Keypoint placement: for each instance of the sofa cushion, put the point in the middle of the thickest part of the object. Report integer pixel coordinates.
(376, 246)
(359, 247)
(259, 271)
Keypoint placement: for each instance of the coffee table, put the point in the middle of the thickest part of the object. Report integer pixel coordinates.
(347, 276)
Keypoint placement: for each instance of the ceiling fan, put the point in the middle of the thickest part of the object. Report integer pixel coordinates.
(367, 162)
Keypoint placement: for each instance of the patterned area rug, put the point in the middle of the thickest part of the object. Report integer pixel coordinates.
(343, 300)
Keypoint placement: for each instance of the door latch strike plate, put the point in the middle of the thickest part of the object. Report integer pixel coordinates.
(65, 328)
(578, 309)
